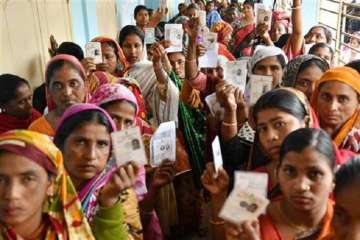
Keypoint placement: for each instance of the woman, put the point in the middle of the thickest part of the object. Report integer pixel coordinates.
(83, 136)
(17, 111)
(159, 92)
(346, 216)
(37, 199)
(306, 178)
(244, 36)
(336, 103)
(65, 84)
(114, 62)
(303, 71)
(279, 25)
(323, 51)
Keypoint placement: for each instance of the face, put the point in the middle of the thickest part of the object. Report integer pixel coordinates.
(66, 87)
(210, 6)
(346, 221)
(86, 151)
(270, 66)
(123, 113)
(325, 54)
(354, 43)
(305, 80)
(21, 105)
(231, 17)
(142, 18)
(248, 11)
(215, 72)
(133, 48)
(177, 61)
(306, 179)
(109, 59)
(23, 190)
(278, 30)
(336, 103)
(273, 125)
(317, 35)
(191, 12)
(182, 10)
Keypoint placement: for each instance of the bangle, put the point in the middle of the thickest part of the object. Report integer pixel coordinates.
(229, 124)
(219, 222)
(296, 7)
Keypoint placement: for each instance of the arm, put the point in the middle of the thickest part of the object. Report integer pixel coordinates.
(297, 34)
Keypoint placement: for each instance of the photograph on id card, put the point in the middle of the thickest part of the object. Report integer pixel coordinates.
(259, 85)
(93, 50)
(235, 72)
(174, 33)
(128, 146)
(149, 35)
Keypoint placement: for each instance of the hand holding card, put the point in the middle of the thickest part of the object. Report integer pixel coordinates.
(93, 50)
(218, 160)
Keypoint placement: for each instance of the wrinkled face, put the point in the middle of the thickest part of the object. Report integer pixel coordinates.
(273, 125)
(86, 151)
(317, 35)
(142, 18)
(325, 54)
(248, 11)
(177, 61)
(277, 30)
(270, 66)
(306, 179)
(346, 221)
(21, 105)
(123, 113)
(109, 59)
(336, 103)
(66, 87)
(24, 185)
(305, 80)
(133, 48)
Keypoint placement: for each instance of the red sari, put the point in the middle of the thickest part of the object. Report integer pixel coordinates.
(9, 122)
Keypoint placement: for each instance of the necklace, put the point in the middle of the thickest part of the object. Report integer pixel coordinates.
(301, 231)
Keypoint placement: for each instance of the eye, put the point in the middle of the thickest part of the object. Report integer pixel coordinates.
(2, 179)
(28, 179)
(289, 171)
(315, 175)
(57, 86)
(326, 97)
(343, 99)
(261, 129)
(103, 144)
(74, 83)
(129, 122)
(279, 124)
(80, 142)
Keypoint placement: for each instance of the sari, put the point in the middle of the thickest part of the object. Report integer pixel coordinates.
(239, 37)
(153, 92)
(349, 133)
(223, 29)
(88, 195)
(42, 125)
(9, 122)
(65, 220)
(269, 231)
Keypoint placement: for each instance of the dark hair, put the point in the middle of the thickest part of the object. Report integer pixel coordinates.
(9, 84)
(193, 5)
(354, 64)
(113, 46)
(54, 66)
(321, 64)
(75, 121)
(71, 48)
(139, 8)
(348, 174)
(129, 30)
(283, 100)
(317, 139)
(327, 33)
(249, 2)
(108, 104)
(282, 40)
(321, 45)
(281, 60)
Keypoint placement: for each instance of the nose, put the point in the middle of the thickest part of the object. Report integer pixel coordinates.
(12, 191)
(272, 135)
(302, 184)
(120, 125)
(268, 72)
(91, 152)
(334, 105)
(67, 91)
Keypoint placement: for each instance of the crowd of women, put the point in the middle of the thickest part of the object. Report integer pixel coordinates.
(58, 174)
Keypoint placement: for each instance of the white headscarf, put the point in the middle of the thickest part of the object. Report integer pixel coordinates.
(261, 52)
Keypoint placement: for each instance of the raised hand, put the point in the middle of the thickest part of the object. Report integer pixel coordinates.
(218, 185)
(164, 174)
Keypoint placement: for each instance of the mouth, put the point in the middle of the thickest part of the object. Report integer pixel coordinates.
(10, 211)
(274, 150)
(301, 200)
(87, 168)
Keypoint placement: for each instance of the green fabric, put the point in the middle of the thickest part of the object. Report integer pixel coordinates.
(108, 223)
(192, 126)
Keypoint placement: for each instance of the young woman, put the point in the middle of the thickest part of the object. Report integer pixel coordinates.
(158, 90)
(65, 84)
(83, 136)
(303, 71)
(323, 51)
(37, 199)
(306, 178)
(336, 103)
(346, 216)
(17, 111)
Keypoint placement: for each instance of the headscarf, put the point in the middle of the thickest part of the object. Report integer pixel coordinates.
(123, 64)
(63, 208)
(351, 127)
(279, 16)
(75, 63)
(262, 52)
(212, 18)
(223, 29)
(292, 68)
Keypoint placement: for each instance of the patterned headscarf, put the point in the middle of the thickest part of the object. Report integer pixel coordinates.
(223, 29)
(292, 68)
(63, 207)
